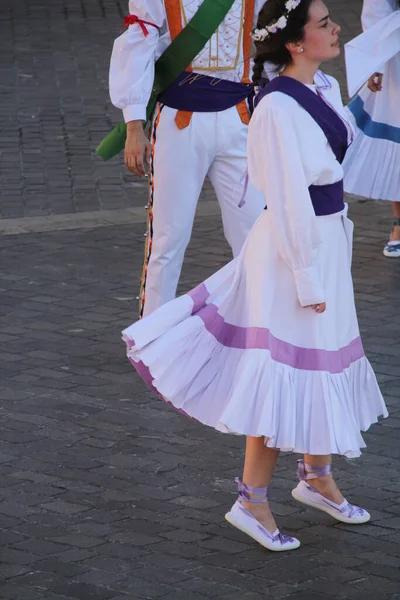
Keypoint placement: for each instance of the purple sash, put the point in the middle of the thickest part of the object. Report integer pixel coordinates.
(326, 199)
(201, 93)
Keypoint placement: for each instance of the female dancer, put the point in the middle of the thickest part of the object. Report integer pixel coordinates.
(269, 346)
(372, 164)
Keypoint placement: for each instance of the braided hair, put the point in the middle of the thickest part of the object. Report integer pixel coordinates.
(273, 50)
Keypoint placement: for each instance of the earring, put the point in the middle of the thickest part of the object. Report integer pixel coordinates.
(301, 49)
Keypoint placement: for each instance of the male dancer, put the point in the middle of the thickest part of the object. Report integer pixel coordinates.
(199, 129)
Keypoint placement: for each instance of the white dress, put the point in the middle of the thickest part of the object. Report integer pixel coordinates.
(239, 352)
(372, 163)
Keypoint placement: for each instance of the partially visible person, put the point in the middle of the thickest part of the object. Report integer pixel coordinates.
(372, 163)
(200, 129)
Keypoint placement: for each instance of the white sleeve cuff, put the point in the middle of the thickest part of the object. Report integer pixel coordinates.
(134, 112)
(309, 290)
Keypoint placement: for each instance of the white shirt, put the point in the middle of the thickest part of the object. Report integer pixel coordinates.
(288, 152)
(134, 54)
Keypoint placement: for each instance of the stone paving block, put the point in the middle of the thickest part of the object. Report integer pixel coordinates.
(167, 561)
(17, 557)
(162, 575)
(84, 591)
(9, 537)
(102, 578)
(184, 595)
(8, 571)
(12, 591)
(59, 567)
(78, 540)
(76, 555)
(145, 589)
(65, 508)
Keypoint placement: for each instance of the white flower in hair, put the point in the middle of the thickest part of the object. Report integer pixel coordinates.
(259, 35)
(281, 22)
(291, 4)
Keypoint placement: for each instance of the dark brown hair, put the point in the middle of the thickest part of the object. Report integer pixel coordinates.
(273, 50)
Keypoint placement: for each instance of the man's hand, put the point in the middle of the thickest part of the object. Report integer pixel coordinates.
(137, 148)
(375, 82)
(319, 308)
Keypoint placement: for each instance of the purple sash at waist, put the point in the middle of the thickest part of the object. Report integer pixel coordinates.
(201, 93)
(327, 199)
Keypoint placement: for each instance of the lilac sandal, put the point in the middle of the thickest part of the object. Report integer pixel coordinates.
(307, 494)
(243, 520)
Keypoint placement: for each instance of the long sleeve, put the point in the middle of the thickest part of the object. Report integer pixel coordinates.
(376, 10)
(370, 51)
(132, 61)
(275, 167)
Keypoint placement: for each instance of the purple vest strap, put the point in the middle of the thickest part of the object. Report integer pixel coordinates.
(201, 93)
(326, 199)
(329, 121)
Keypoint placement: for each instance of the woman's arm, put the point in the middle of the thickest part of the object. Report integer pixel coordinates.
(275, 167)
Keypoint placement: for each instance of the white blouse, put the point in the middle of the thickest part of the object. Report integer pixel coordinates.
(134, 54)
(288, 152)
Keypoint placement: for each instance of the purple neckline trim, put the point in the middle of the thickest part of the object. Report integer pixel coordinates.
(260, 338)
(326, 85)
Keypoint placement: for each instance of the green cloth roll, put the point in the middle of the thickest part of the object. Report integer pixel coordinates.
(113, 143)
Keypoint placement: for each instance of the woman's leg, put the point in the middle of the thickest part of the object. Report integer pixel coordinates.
(395, 235)
(259, 465)
(318, 489)
(324, 485)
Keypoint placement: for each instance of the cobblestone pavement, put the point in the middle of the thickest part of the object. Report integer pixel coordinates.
(105, 492)
(55, 108)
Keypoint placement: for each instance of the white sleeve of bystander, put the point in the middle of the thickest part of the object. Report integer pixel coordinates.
(132, 61)
(374, 11)
(370, 51)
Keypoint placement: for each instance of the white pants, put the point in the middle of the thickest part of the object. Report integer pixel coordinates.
(213, 144)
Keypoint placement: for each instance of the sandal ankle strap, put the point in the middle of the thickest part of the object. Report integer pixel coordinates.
(306, 471)
(248, 493)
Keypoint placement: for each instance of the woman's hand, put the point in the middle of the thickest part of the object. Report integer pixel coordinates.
(319, 308)
(375, 82)
(137, 148)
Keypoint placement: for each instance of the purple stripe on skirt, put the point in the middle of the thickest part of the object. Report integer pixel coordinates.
(260, 338)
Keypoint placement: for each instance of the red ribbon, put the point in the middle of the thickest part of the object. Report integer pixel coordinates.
(132, 19)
